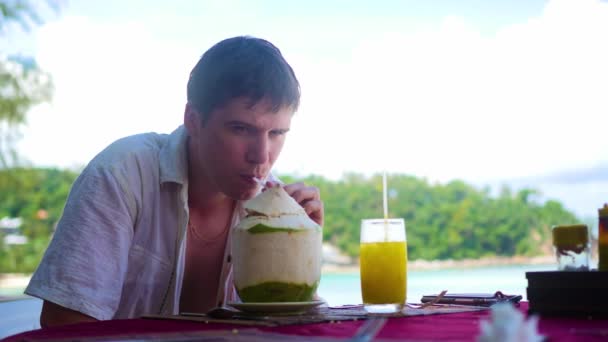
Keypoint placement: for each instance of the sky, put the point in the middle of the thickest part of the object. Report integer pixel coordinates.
(491, 92)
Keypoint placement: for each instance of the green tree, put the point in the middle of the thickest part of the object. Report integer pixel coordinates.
(22, 83)
(443, 221)
(37, 196)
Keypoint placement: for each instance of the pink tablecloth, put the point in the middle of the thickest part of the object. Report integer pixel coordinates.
(451, 327)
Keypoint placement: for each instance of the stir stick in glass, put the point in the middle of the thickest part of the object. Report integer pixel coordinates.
(385, 206)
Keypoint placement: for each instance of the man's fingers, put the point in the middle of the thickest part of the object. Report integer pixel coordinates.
(270, 184)
(309, 197)
(313, 206)
(302, 193)
(290, 188)
(314, 209)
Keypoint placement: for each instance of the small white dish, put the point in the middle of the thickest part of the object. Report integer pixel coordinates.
(276, 307)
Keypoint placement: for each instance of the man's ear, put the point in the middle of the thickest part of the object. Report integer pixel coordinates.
(192, 119)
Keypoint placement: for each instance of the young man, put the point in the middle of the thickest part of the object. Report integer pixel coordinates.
(146, 227)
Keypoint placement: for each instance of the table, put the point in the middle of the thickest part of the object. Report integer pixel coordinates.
(451, 327)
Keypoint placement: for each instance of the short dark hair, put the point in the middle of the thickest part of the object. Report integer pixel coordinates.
(242, 66)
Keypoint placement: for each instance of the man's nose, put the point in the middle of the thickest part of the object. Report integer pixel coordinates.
(259, 151)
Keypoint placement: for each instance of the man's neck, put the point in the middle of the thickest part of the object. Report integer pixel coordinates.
(202, 193)
(204, 196)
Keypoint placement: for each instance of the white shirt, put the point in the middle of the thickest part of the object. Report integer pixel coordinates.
(119, 247)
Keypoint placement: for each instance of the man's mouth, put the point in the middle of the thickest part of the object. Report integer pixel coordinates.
(253, 179)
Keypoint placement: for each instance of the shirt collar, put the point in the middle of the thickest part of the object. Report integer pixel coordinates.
(174, 157)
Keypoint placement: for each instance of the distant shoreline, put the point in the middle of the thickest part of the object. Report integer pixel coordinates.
(17, 280)
(427, 265)
(14, 280)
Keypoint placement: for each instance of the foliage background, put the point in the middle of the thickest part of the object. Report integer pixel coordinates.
(443, 221)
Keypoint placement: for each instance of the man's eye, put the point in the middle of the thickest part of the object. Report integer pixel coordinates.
(277, 133)
(239, 129)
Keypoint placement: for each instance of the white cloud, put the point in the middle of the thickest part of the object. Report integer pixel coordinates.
(110, 81)
(448, 102)
(441, 101)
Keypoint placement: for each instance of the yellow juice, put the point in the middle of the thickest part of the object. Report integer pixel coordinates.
(384, 272)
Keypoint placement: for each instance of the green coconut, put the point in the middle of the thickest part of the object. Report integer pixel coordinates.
(277, 250)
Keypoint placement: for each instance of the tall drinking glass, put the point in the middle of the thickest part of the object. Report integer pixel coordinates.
(383, 263)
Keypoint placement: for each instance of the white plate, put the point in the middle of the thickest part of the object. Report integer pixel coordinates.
(278, 307)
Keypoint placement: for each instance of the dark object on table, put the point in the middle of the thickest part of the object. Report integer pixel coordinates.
(564, 293)
(476, 299)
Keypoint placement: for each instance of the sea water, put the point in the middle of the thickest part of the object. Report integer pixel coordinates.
(345, 288)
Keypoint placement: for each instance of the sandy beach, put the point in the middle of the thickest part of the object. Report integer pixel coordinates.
(422, 265)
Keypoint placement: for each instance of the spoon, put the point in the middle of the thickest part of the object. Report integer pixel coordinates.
(225, 313)
(222, 312)
(232, 316)
(217, 312)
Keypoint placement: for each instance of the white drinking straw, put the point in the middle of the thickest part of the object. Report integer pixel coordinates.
(385, 206)
(384, 198)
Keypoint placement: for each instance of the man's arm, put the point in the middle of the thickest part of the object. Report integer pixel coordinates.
(96, 228)
(53, 315)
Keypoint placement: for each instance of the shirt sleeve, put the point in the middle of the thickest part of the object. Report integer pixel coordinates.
(84, 267)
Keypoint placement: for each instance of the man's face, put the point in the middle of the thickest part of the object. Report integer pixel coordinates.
(237, 143)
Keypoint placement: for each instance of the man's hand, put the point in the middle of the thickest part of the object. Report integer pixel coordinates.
(309, 198)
